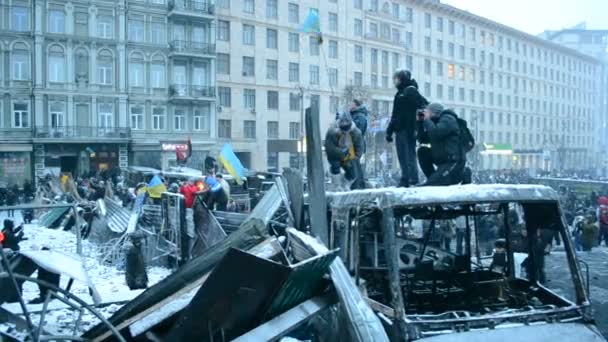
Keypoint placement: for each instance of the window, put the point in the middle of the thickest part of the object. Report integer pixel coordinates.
(439, 69)
(333, 49)
(294, 42)
(225, 96)
(374, 57)
(313, 43)
(56, 21)
(136, 71)
(105, 68)
(249, 6)
(20, 63)
(158, 73)
(333, 104)
(396, 36)
(395, 10)
(333, 77)
(461, 94)
(272, 9)
(333, 22)
(272, 69)
(358, 54)
(461, 73)
(158, 118)
(202, 118)
(137, 117)
(56, 64)
(451, 27)
(439, 91)
(105, 25)
(427, 44)
(439, 24)
(224, 4)
(248, 66)
(271, 39)
(294, 130)
(223, 30)
(249, 98)
(293, 13)
(223, 63)
(409, 62)
(248, 34)
(20, 20)
(272, 161)
(106, 114)
(272, 130)
(427, 89)
(409, 15)
(427, 66)
(461, 51)
(451, 93)
(358, 79)
(358, 4)
(451, 50)
(81, 24)
(179, 119)
(373, 30)
(427, 20)
(249, 129)
(314, 74)
(21, 115)
(358, 30)
(439, 47)
(272, 99)
(224, 129)
(158, 32)
(136, 30)
(294, 101)
(294, 72)
(450, 70)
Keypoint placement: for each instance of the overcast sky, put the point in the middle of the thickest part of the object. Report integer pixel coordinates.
(535, 16)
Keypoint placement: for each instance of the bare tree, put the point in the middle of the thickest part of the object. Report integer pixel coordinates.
(355, 92)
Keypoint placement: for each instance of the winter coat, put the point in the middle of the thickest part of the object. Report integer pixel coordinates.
(189, 191)
(343, 146)
(406, 104)
(589, 232)
(359, 116)
(443, 134)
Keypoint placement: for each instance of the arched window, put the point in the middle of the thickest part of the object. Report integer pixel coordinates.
(56, 64)
(136, 70)
(81, 64)
(158, 72)
(21, 62)
(105, 68)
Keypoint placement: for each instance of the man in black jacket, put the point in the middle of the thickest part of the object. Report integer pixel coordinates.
(407, 103)
(443, 163)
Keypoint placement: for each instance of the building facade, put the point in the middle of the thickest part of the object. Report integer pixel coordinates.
(92, 85)
(531, 103)
(88, 85)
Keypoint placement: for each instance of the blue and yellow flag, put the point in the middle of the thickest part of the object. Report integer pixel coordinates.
(156, 187)
(232, 164)
(312, 23)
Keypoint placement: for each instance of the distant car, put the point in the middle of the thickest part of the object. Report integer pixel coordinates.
(497, 285)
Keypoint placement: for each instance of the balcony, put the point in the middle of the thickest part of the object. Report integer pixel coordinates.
(191, 8)
(81, 134)
(16, 134)
(190, 48)
(191, 92)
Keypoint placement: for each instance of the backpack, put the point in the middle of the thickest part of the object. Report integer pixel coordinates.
(467, 141)
(604, 214)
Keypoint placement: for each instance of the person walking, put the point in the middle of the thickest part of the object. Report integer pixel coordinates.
(406, 105)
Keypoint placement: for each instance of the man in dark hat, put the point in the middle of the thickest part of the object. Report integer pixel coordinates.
(406, 104)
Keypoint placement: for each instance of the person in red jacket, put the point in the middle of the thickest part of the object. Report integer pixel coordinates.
(189, 190)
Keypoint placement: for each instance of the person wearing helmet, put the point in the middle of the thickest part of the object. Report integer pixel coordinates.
(406, 105)
(343, 149)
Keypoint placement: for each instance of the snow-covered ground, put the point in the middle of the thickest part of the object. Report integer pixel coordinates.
(109, 281)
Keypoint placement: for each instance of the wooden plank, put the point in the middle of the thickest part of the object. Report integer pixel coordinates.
(283, 324)
(316, 176)
(392, 260)
(362, 323)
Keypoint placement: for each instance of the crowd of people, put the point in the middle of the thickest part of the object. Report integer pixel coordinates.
(442, 136)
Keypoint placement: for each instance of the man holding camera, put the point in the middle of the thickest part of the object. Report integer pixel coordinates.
(444, 161)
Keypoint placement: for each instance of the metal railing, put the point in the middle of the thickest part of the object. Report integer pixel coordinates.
(205, 7)
(190, 90)
(82, 132)
(192, 47)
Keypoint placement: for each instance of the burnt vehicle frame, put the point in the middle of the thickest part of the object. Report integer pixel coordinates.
(389, 278)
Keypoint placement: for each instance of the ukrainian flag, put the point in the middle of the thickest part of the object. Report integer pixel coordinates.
(156, 187)
(232, 164)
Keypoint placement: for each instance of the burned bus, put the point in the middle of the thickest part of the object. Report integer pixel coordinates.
(464, 263)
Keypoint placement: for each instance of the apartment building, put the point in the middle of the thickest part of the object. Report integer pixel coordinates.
(531, 102)
(91, 85)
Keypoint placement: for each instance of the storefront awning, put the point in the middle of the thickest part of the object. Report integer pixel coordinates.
(497, 149)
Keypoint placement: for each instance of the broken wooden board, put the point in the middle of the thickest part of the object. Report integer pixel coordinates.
(363, 324)
(243, 290)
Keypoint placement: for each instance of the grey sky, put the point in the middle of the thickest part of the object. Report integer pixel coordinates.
(535, 16)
